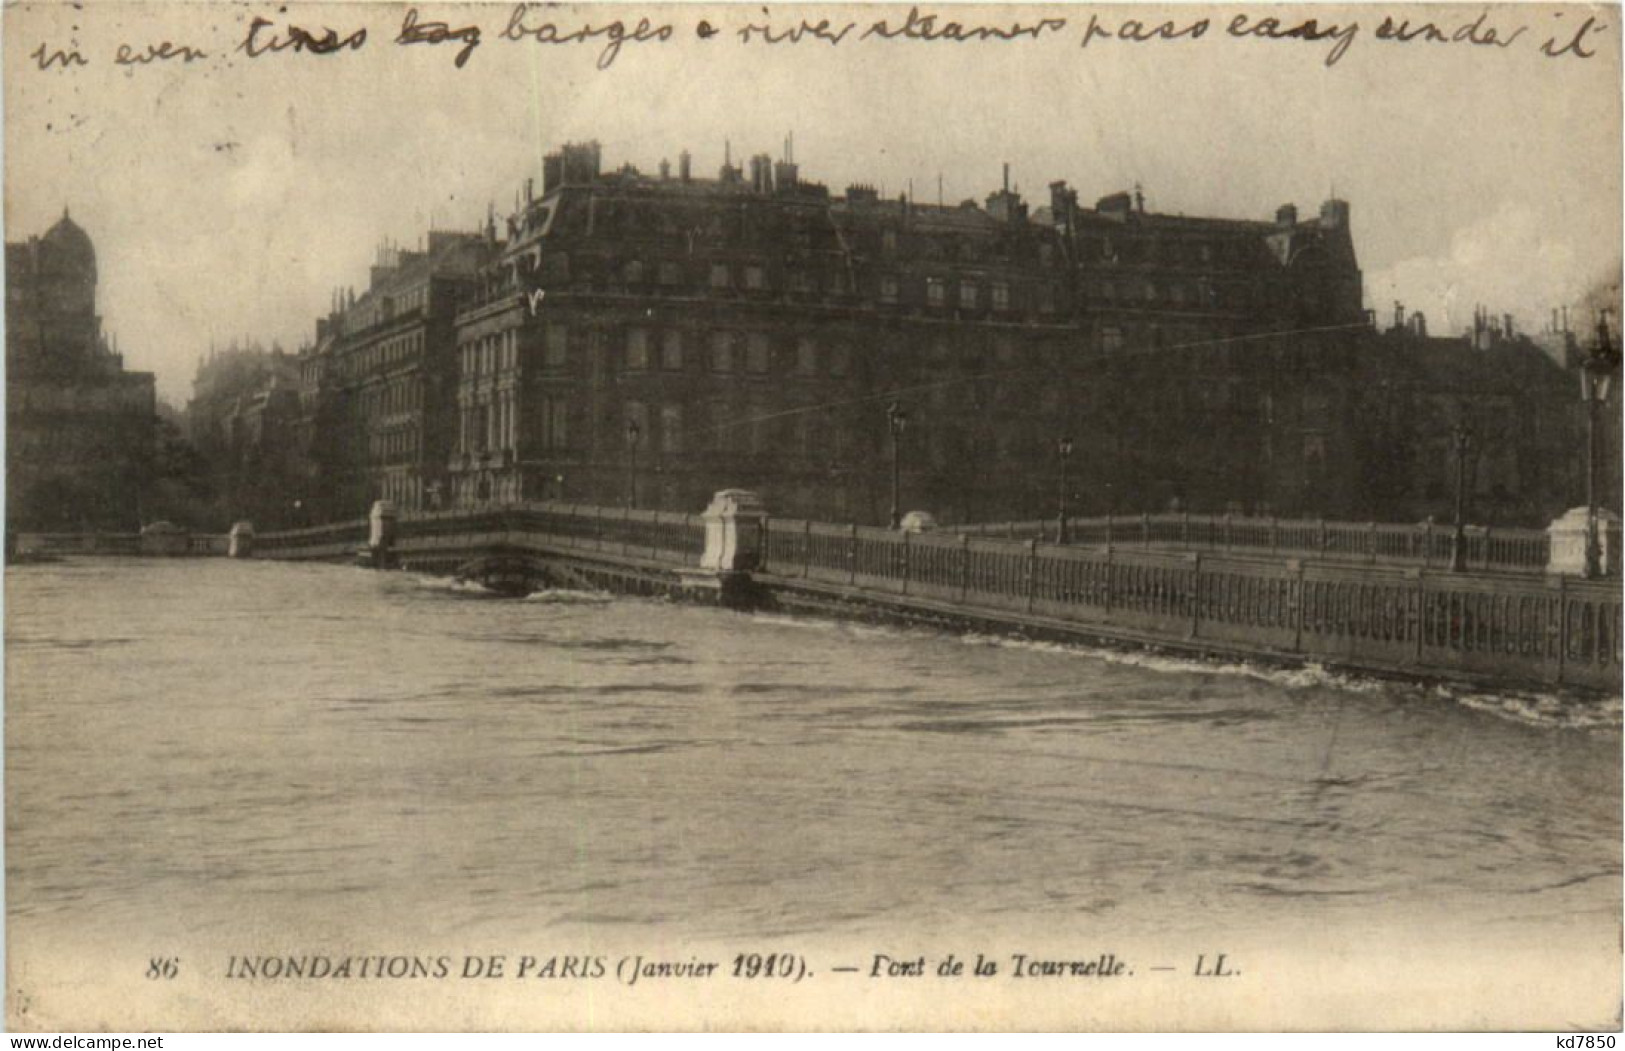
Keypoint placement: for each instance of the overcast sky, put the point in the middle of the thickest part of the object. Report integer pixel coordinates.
(228, 197)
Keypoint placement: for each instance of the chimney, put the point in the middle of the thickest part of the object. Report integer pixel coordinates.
(1063, 204)
(1565, 319)
(1286, 215)
(665, 170)
(1399, 313)
(685, 166)
(1554, 320)
(1506, 325)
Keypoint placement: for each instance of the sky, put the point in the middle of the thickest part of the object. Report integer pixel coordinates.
(228, 196)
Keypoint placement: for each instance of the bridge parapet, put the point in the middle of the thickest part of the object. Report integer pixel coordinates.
(1413, 620)
(1425, 544)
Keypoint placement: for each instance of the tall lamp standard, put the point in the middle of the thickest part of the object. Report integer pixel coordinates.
(1596, 378)
(896, 422)
(1458, 541)
(633, 433)
(1064, 448)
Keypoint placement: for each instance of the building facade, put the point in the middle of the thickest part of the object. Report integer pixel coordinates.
(376, 385)
(79, 428)
(675, 334)
(649, 339)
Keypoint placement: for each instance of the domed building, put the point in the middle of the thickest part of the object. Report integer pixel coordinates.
(79, 428)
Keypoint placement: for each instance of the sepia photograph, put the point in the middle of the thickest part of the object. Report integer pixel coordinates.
(862, 517)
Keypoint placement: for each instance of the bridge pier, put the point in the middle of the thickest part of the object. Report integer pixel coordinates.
(735, 524)
(240, 542)
(381, 535)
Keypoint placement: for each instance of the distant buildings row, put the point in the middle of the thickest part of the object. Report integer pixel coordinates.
(671, 335)
(675, 335)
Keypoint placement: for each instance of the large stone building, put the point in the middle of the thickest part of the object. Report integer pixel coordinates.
(377, 384)
(79, 428)
(243, 419)
(752, 328)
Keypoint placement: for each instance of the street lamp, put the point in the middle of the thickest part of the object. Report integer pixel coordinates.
(633, 433)
(896, 422)
(1458, 541)
(1064, 447)
(1596, 379)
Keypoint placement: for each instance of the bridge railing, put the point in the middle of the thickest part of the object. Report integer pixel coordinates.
(79, 543)
(337, 540)
(1422, 544)
(197, 544)
(1547, 629)
(657, 535)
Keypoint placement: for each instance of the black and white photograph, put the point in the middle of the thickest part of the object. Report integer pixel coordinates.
(529, 517)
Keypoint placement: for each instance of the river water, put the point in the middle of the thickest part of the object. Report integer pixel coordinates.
(218, 761)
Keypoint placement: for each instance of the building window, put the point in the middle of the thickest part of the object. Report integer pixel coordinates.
(722, 352)
(936, 291)
(671, 429)
(637, 414)
(555, 420)
(755, 277)
(670, 273)
(1046, 299)
(967, 295)
(840, 359)
(888, 289)
(888, 240)
(1111, 338)
(806, 357)
(720, 277)
(557, 350)
(721, 428)
(671, 350)
(1001, 296)
(637, 348)
(633, 272)
(757, 352)
(801, 281)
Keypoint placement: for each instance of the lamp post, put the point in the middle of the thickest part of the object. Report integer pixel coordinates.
(1596, 379)
(896, 422)
(1064, 448)
(1458, 541)
(633, 433)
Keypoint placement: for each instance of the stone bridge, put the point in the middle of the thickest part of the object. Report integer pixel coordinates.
(1493, 628)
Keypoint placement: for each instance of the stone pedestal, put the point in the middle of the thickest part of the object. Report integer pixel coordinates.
(240, 543)
(733, 532)
(918, 522)
(1568, 543)
(380, 550)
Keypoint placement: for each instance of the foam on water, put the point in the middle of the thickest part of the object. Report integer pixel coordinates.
(565, 597)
